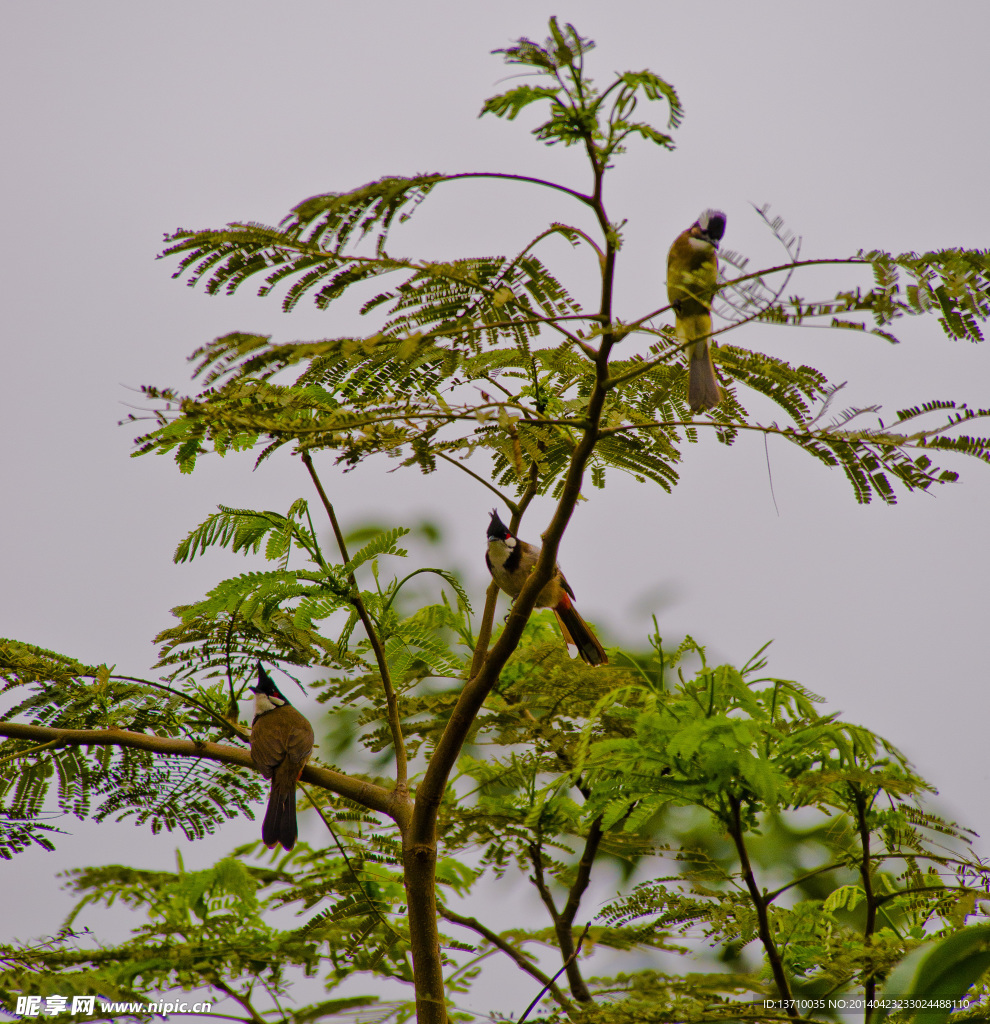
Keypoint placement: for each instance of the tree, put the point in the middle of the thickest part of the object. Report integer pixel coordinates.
(593, 757)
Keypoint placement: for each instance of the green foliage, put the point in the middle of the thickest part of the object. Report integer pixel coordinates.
(102, 781)
(452, 369)
(743, 752)
(206, 928)
(403, 390)
(576, 108)
(564, 760)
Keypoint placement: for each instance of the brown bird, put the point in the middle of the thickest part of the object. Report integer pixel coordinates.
(510, 561)
(281, 742)
(692, 277)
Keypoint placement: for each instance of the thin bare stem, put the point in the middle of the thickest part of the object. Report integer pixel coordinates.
(350, 867)
(524, 178)
(916, 440)
(235, 727)
(395, 726)
(516, 954)
(573, 956)
(771, 896)
(783, 267)
(510, 504)
(37, 749)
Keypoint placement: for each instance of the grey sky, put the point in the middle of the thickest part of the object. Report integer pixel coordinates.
(863, 124)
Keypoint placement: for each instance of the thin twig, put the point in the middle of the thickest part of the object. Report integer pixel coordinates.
(542, 991)
(395, 726)
(520, 177)
(30, 750)
(222, 986)
(506, 947)
(235, 727)
(510, 504)
(350, 867)
(766, 450)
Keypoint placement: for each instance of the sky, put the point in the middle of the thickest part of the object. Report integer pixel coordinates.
(863, 125)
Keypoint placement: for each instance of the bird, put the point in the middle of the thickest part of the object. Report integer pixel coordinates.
(511, 560)
(281, 742)
(692, 277)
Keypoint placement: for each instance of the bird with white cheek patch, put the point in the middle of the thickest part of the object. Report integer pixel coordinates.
(511, 560)
(692, 277)
(281, 742)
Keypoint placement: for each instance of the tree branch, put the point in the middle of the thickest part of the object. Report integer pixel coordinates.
(865, 873)
(521, 177)
(587, 862)
(491, 597)
(539, 995)
(506, 947)
(485, 630)
(244, 1002)
(375, 798)
(756, 273)
(509, 503)
(563, 921)
(536, 858)
(760, 903)
(420, 840)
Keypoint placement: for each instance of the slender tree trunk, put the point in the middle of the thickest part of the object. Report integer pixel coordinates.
(419, 860)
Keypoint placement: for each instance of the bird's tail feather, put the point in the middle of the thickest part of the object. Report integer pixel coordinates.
(577, 632)
(279, 826)
(703, 390)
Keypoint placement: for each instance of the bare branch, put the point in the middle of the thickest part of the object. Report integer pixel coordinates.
(367, 794)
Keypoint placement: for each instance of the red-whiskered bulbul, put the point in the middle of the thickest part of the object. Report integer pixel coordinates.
(511, 560)
(692, 277)
(281, 742)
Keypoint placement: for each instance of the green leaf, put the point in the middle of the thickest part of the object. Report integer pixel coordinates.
(846, 897)
(943, 970)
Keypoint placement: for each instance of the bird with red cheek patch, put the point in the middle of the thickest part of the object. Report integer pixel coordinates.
(511, 560)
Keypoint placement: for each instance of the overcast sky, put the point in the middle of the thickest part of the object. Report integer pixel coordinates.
(863, 124)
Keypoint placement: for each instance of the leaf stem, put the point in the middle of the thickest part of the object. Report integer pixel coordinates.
(395, 726)
(509, 503)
